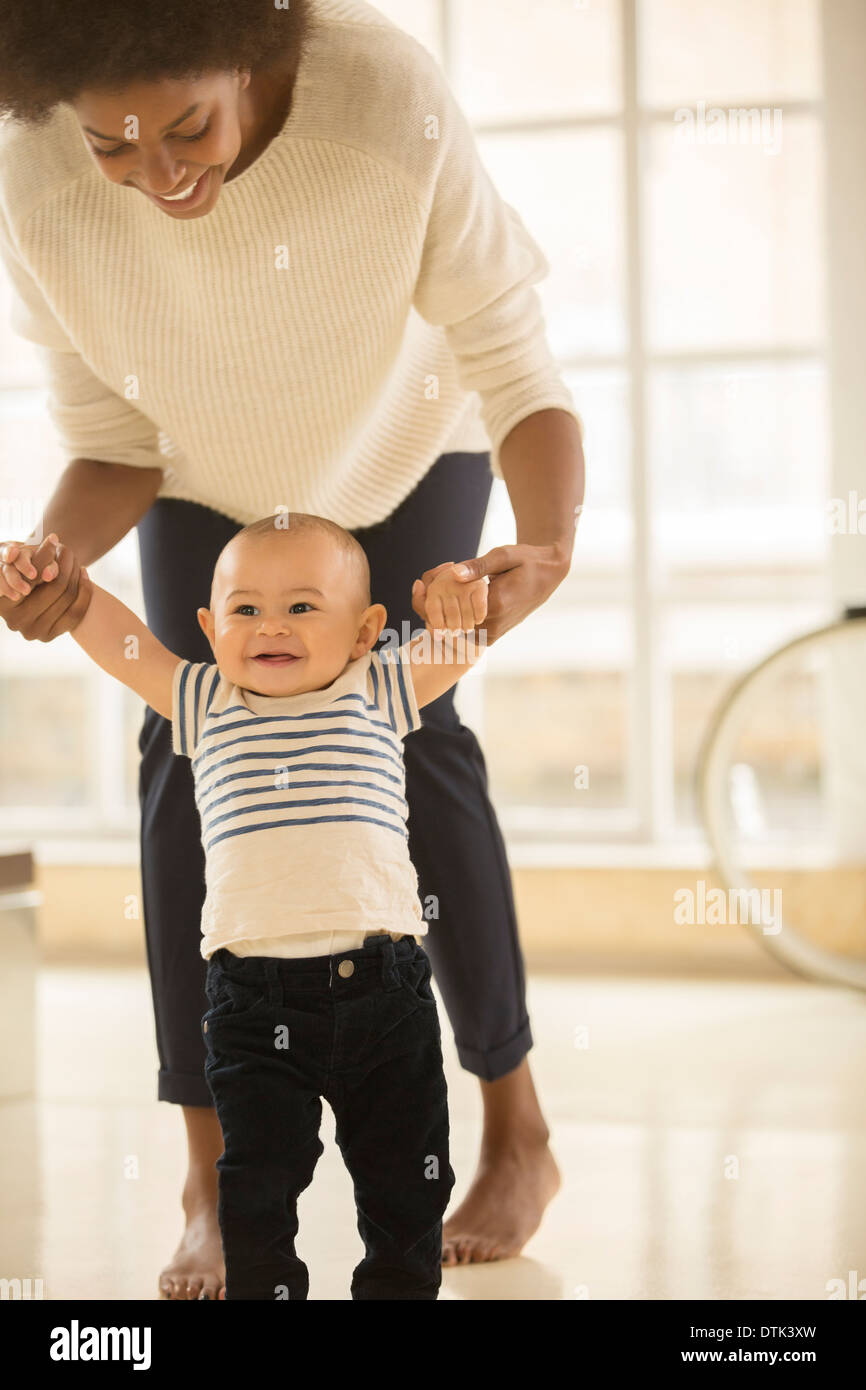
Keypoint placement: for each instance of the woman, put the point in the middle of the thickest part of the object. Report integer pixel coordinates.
(266, 268)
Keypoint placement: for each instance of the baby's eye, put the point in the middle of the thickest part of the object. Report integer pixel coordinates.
(246, 610)
(300, 604)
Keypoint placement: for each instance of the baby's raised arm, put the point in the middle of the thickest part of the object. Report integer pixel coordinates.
(120, 643)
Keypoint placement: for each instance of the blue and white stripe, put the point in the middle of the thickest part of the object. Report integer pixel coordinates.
(340, 763)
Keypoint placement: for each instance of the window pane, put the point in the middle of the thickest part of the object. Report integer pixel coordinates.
(567, 188)
(735, 50)
(43, 722)
(733, 239)
(556, 693)
(19, 358)
(571, 753)
(513, 60)
(603, 545)
(30, 457)
(118, 571)
(30, 462)
(739, 468)
(604, 542)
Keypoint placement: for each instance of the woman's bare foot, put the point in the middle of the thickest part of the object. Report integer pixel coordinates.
(517, 1176)
(197, 1268)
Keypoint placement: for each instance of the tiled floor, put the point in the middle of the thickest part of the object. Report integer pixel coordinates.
(712, 1138)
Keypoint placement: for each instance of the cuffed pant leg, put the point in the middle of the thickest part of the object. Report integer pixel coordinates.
(457, 848)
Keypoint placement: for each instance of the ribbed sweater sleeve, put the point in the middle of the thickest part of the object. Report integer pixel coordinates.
(91, 420)
(478, 268)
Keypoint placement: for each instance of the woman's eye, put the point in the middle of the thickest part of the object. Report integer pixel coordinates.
(119, 149)
(199, 135)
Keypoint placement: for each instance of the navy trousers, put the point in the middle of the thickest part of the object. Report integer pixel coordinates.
(454, 839)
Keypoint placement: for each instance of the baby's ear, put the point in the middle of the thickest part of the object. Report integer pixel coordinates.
(376, 616)
(205, 622)
(373, 620)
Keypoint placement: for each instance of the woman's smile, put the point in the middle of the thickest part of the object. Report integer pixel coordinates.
(190, 197)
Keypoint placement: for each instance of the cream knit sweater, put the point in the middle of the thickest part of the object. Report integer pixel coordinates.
(358, 302)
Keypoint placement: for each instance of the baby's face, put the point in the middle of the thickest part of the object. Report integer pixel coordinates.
(285, 614)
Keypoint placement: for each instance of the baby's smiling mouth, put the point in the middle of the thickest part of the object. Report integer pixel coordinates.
(275, 658)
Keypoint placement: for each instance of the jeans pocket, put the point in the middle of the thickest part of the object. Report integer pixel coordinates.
(415, 977)
(230, 998)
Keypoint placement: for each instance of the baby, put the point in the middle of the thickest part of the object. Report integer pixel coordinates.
(317, 981)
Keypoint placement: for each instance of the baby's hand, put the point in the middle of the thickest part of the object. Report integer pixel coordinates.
(454, 604)
(25, 563)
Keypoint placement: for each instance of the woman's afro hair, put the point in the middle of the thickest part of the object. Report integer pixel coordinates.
(53, 50)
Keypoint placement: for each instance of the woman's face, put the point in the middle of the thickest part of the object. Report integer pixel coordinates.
(168, 137)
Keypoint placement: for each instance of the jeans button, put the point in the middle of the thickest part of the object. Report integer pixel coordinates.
(346, 968)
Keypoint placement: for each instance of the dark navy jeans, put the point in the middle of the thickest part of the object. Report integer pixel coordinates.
(359, 1029)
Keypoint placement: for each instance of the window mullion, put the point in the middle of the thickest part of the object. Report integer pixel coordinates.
(644, 764)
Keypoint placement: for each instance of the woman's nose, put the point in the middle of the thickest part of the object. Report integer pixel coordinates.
(161, 174)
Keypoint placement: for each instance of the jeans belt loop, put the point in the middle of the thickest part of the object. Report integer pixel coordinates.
(273, 988)
(390, 978)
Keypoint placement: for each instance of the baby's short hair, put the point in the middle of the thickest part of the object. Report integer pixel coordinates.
(306, 521)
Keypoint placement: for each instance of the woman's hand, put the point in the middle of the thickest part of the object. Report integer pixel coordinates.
(521, 578)
(41, 593)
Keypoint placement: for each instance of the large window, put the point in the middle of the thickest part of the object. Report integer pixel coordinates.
(667, 156)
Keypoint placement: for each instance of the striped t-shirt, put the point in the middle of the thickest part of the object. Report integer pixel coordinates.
(302, 801)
